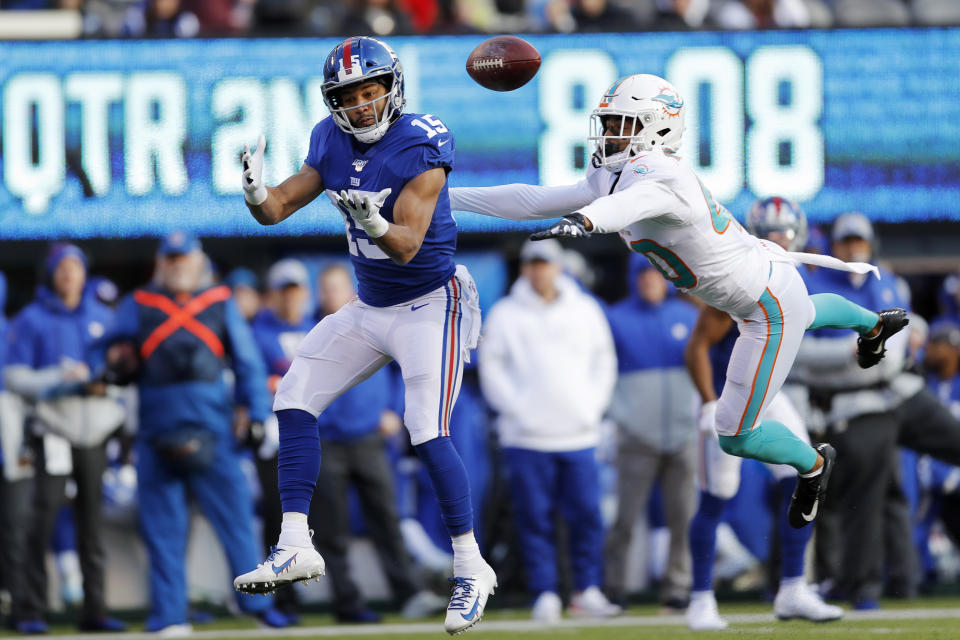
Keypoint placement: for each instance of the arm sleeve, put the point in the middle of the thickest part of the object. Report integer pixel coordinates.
(522, 201)
(496, 381)
(643, 200)
(32, 384)
(251, 373)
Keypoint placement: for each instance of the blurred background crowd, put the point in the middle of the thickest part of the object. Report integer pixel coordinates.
(195, 18)
(582, 446)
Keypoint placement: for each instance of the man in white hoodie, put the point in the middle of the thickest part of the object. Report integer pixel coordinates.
(548, 367)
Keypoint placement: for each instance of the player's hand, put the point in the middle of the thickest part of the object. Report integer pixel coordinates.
(708, 416)
(572, 226)
(365, 210)
(254, 191)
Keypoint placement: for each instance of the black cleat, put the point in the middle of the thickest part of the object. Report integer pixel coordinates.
(810, 492)
(870, 350)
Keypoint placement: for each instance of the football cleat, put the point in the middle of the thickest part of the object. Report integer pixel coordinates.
(801, 601)
(282, 566)
(702, 613)
(810, 492)
(469, 599)
(870, 351)
(547, 608)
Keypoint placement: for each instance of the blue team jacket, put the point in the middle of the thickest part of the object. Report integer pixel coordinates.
(45, 332)
(181, 377)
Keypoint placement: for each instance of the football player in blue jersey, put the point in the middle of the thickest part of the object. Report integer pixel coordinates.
(386, 172)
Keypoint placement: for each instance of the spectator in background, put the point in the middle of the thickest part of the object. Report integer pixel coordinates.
(186, 336)
(246, 291)
(375, 18)
(352, 431)
(160, 18)
(278, 330)
(762, 14)
(548, 366)
(682, 14)
(49, 363)
(593, 16)
(653, 406)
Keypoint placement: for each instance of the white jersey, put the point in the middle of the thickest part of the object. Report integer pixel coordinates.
(662, 210)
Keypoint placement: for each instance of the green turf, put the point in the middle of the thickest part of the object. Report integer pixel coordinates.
(914, 628)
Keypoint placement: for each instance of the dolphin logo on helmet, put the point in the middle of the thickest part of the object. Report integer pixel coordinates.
(637, 113)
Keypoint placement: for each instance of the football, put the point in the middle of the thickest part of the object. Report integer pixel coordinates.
(503, 63)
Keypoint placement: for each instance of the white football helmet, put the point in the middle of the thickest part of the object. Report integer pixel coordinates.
(646, 110)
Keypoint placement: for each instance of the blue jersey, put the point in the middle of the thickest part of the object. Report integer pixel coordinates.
(413, 144)
(720, 358)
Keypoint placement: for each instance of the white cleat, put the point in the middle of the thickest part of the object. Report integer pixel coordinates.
(702, 613)
(547, 608)
(469, 599)
(174, 631)
(282, 566)
(801, 601)
(591, 603)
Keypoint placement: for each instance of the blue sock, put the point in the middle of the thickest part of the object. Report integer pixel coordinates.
(836, 312)
(450, 483)
(793, 542)
(299, 459)
(703, 539)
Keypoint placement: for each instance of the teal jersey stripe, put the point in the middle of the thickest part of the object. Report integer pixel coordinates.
(761, 381)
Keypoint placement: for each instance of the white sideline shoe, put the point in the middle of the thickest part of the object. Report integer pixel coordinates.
(184, 630)
(282, 566)
(469, 599)
(801, 601)
(702, 613)
(591, 603)
(547, 608)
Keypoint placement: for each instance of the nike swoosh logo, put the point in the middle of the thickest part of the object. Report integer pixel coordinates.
(278, 570)
(473, 612)
(418, 306)
(879, 349)
(440, 143)
(813, 513)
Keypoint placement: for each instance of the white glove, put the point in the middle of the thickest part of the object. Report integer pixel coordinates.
(365, 210)
(252, 181)
(708, 416)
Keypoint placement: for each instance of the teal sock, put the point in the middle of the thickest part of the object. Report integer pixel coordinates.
(770, 441)
(836, 312)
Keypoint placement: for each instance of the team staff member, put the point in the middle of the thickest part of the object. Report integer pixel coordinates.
(186, 336)
(49, 361)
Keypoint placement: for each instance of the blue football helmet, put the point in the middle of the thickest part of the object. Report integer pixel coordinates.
(781, 216)
(362, 59)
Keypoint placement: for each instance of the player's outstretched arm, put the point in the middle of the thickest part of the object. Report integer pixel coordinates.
(712, 325)
(522, 201)
(270, 205)
(412, 213)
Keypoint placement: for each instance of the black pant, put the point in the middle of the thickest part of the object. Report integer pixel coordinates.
(14, 514)
(865, 476)
(363, 464)
(89, 464)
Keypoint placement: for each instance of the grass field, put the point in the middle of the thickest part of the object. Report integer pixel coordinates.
(927, 619)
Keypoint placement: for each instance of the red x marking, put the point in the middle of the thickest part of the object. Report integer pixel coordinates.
(182, 317)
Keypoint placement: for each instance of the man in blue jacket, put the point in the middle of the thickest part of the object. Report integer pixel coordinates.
(185, 336)
(49, 359)
(653, 406)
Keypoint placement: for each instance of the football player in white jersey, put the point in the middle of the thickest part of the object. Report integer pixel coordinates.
(637, 187)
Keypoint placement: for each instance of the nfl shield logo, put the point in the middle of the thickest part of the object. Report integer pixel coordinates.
(358, 165)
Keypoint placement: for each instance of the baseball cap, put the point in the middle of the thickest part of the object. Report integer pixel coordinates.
(61, 251)
(548, 250)
(179, 242)
(287, 272)
(948, 332)
(850, 224)
(241, 277)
